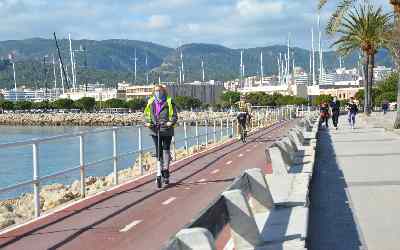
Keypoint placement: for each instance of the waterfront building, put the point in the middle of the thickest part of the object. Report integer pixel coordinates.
(24, 94)
(99, 94)
(381, 73)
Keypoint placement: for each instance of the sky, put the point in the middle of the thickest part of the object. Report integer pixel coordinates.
(232, 23)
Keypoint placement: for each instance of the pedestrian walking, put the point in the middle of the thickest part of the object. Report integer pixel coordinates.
(335, 107)
(385, 106)
(352, 110)
(324, 113)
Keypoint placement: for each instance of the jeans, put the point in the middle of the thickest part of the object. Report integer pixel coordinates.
(335, 118)
(352, 119)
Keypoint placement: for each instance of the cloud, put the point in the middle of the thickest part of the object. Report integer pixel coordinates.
(233, 23)
(252, 8)
(159, 22)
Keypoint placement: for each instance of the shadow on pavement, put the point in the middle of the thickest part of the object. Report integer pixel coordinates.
(332, 223)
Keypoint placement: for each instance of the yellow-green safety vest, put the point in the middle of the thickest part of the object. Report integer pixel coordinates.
(147, 110)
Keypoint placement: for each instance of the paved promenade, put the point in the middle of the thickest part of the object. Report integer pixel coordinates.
(356, 188)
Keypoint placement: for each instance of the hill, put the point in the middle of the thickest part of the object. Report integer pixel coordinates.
(110, 61)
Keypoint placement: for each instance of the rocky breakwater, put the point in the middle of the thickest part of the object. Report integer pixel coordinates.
(21, 209)
(92, 119)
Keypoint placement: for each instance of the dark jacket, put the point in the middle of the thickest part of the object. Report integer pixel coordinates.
(163, 118)
(352, 108)
(335, 106)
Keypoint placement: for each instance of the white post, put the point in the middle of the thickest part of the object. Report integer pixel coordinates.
(140, 149)
(15, 82)
(115, 157)
(36, 180)
(215, 131)
(55, 77)
(232, 128)
(197, 136)
(227, 127)
(62, 78)
(72, 61)
(186, 138)
(82, 165)
(206, 123)
(222, 130)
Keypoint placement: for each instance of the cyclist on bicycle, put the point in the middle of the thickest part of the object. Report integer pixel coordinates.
(243, 117)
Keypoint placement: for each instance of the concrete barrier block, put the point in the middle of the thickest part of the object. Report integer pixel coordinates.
(260, 191)
(279, 166)
(193, 239)
(283, 224)
(244, 229)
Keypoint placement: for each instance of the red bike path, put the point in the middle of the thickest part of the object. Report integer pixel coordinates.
(137, 215)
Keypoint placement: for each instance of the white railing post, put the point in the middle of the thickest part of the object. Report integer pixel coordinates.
(36, 179)
(186, 138)
(258, 119)
(215, 131)
(115, 156)
(140, 149)
(197, 136)
(222, 130)
(233, 128)
(174, 147)
(82, 165)
(206, 123)
(227, 127)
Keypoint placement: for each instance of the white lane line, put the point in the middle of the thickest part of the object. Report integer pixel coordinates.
(229, 163)
(202, 180)
(248, 150)
(169, 201)
(240, 155)
(255, 145)
(130, 226)
(215, 171)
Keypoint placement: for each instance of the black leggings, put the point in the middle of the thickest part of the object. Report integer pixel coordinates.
(165, 144)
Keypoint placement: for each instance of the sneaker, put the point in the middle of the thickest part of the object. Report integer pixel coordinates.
(165, 174)
(336, 128)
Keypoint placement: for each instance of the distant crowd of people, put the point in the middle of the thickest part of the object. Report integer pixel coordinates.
(332, 109)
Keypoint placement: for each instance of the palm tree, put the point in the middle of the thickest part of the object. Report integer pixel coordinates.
(363, 28)
(342, 8)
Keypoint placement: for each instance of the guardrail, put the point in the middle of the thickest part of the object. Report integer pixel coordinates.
(226, 125)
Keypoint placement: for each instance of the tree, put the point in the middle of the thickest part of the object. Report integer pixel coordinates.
(230, 98)
(86, 103)
(187, 102)
(321, 99)
(114, 103)
(6, 105)
(136, 104)
(367, 29)
(63, 104)
(23, 105)
(394, 41)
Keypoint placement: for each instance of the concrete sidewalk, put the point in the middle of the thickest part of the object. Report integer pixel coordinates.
(355, 190)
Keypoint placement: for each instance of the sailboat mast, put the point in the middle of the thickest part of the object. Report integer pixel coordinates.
(72, 61)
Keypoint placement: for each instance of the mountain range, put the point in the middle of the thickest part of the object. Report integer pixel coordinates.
(111, 61)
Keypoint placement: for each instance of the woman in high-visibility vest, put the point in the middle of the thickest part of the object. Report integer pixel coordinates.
(161, 116)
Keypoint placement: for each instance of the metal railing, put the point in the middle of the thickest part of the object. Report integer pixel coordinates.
(261, 119)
